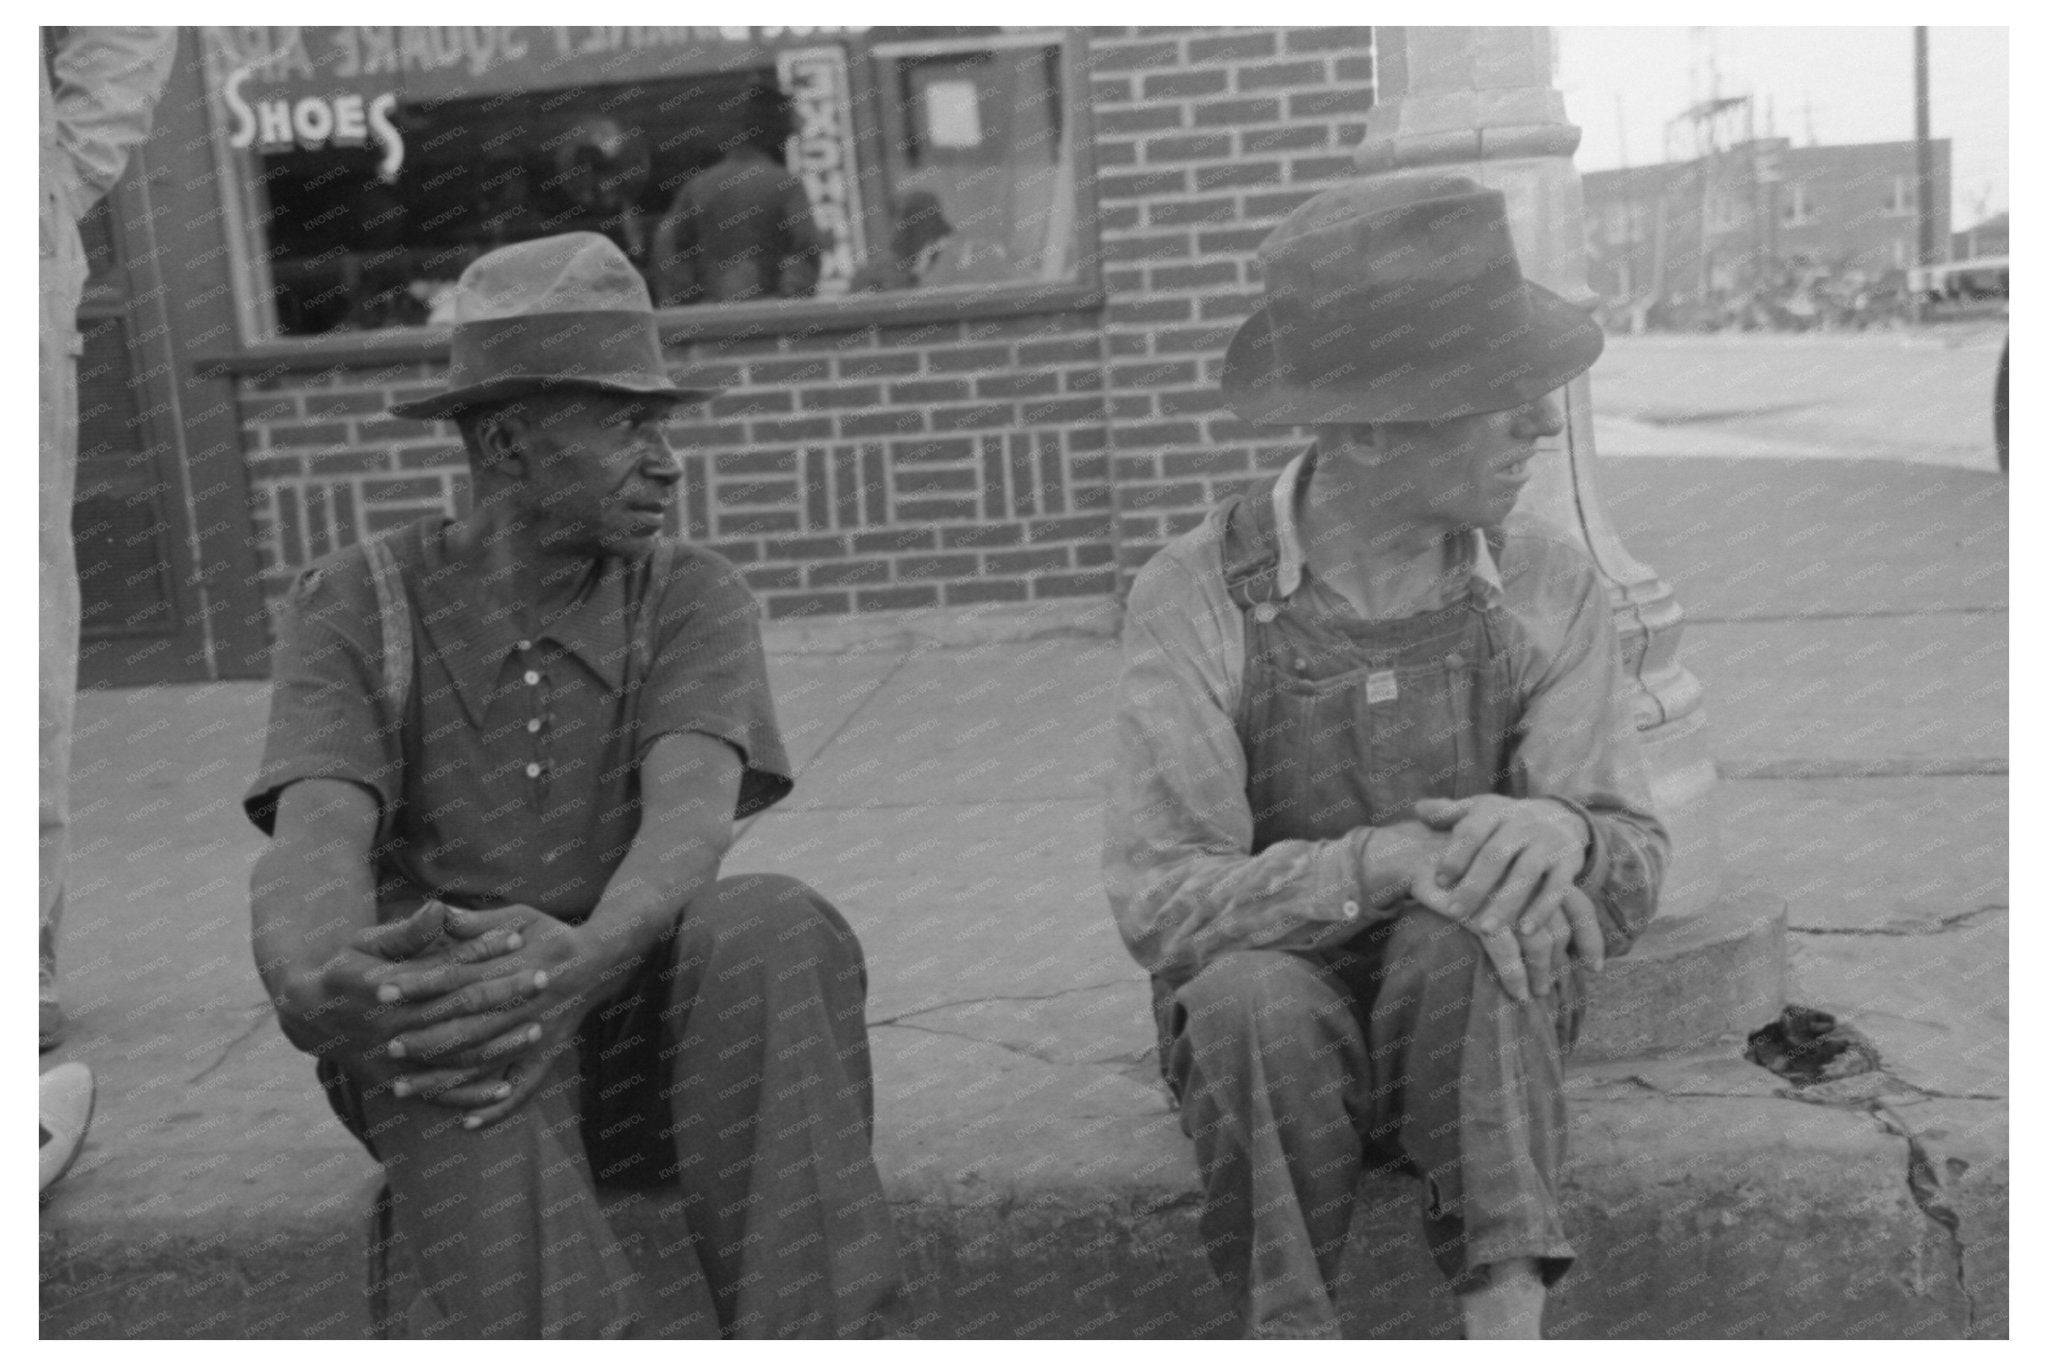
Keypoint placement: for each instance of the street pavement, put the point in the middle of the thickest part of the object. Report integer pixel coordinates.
(1915, 397)
(952, 769)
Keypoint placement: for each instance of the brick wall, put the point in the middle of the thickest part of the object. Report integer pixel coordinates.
(968, 461)
(1204, 140)
(1846, 190)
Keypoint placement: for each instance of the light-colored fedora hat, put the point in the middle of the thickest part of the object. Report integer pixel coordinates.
(1400, 299)
(568, 310)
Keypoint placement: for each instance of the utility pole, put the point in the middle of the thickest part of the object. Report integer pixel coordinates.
(1923, 146)
(1923, 162)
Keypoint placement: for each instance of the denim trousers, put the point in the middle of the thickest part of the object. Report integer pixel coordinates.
(735, 1065)
(1299, 1072)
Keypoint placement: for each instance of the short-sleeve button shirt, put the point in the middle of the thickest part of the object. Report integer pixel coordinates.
(514, 774)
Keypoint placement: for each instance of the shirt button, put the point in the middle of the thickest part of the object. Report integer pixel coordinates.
(1454, 659)
(1351, 910)
(533, 726)
(532, 677)
(533, 770)
(526, 645)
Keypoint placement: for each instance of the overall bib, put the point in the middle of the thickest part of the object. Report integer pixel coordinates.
(1298, 1071)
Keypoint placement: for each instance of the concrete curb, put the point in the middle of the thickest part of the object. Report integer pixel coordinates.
(1704, 1202)
(1691, 983)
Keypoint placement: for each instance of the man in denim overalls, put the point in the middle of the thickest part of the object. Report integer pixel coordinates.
(1380, 798)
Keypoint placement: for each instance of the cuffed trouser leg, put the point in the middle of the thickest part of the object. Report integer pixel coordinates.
(1480, 1097)
(1268, 1061)
(774, 1113)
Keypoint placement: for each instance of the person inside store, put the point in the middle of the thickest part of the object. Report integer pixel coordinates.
(601, 168)
(917, 244)
(1379, 803)
(742, 227)
(506, 752)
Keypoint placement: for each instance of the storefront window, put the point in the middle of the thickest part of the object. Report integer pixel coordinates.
(976, 155)
(363, 168)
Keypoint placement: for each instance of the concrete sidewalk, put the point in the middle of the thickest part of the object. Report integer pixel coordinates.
(1849, 622)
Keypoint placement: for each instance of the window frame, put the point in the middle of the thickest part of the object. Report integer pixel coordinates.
(1082, 292)
(1797, 210)
(1905, 197)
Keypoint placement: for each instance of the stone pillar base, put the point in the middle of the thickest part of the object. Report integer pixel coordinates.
(1691, 984)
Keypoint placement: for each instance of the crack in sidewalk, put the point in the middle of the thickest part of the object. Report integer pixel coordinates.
(1829, 770)
(1887, 613)
(1806, 1096)
(982, 1000)
(1924, 1185)
(262, 1014)
(1120, 1061)
(746, 827)
(1941, 926)
(1019, 1049)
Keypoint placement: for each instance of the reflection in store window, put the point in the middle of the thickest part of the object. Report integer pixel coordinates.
(364, 168)
(740, 228)
(981, 175)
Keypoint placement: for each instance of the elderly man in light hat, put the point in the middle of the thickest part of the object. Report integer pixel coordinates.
(1379, 799)
(505, 756)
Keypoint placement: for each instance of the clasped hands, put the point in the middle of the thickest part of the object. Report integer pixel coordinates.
(466, 1009)
(1505, 868)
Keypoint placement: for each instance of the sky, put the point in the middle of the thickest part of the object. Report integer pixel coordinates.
(1831, 85)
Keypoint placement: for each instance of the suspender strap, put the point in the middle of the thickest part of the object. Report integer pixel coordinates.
(653, 575)
(394, 620)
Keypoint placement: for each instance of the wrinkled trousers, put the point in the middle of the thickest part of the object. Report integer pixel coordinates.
(735, 1064)
(1299, 1072)
(57, 597)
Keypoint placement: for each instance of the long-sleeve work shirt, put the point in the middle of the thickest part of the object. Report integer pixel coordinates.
(1182, 876)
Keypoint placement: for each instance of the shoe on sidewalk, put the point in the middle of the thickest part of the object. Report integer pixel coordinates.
(65, 1107)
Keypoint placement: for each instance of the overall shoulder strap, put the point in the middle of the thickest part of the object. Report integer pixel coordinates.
(1251, 556)
(394, 620)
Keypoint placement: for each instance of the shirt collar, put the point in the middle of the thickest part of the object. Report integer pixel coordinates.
(1292, 486)
(473, 642)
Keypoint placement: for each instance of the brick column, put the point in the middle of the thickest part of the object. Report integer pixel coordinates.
(1478, 102)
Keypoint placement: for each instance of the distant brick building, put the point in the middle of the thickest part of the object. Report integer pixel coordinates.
(1678, 228)
(1033, 425)
(1992, 237)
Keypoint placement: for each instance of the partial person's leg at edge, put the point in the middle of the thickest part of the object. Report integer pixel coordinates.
(57, 623)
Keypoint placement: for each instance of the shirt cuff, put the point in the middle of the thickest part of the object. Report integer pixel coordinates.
(1339, 898)
(1592, 879)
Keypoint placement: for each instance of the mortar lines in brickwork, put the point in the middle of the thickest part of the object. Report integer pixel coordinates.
(967, 459)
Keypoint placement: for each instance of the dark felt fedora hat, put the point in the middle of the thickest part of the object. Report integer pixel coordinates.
(568, 310)
(1399, 299)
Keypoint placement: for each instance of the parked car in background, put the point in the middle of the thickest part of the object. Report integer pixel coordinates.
(1978, 287)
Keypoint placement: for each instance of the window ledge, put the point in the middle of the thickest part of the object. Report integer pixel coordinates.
(728, 322)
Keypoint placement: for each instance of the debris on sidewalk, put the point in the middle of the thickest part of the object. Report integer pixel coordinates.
(1807, 1046)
